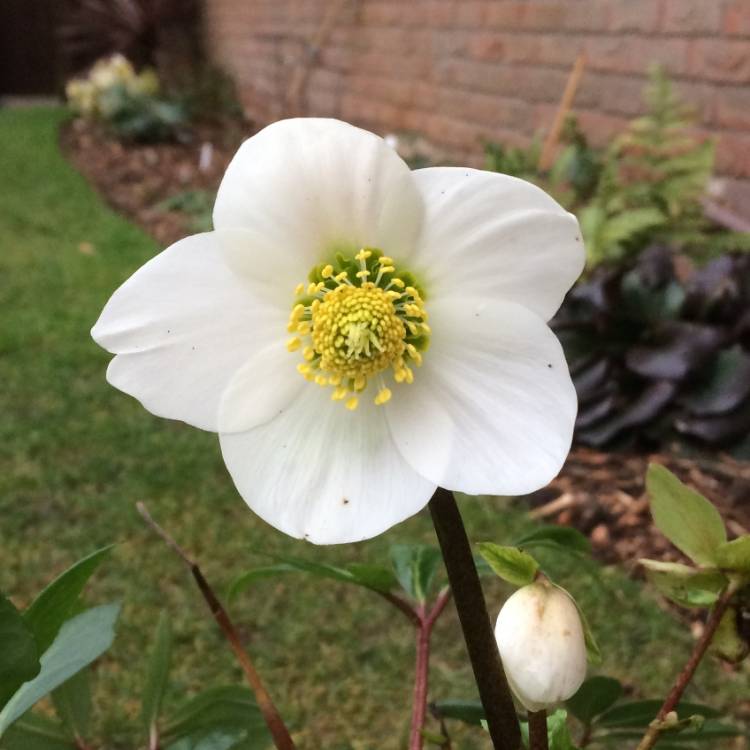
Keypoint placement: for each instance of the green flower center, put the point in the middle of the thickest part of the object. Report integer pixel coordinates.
(358, 321)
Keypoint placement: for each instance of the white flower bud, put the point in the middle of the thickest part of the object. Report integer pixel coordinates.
(540, 637)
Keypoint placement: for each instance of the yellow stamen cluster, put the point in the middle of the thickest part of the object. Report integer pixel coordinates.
(358, 324)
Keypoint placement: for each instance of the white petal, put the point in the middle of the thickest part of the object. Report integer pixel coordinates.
(542, 645)
(181, 327)
(320, 472)
(311, 186)
(492, 235)
(261, 389)
(492, 409)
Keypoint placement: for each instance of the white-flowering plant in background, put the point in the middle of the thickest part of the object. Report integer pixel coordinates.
(357, 333)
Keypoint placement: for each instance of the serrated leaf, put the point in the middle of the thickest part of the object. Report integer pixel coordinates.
(564, 538)
(80, 641)
(685, 517)
(36, 732)
(19, 655)
(510, 563)
(373, 577)
(57, 601)
(227, 709)
(470, 712)
(415, 566)
(734, 555)
(689, 587)
(73, 704)
(594, 697)
(156, 675)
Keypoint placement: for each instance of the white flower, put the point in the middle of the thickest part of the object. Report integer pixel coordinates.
(542, 645)
(201, 331)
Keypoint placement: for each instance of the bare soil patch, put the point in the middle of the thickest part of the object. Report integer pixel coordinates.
(137, 178)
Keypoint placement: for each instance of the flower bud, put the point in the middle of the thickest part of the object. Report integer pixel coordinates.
(541, 642)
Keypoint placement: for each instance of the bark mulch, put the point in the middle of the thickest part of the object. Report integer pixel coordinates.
(603, 495)
(136, 179)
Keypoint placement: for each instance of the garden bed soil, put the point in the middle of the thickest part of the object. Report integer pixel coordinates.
(604, 496)
(136, 179)
(601, 494)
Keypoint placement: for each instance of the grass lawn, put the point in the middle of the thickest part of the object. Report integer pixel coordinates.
(75, 456)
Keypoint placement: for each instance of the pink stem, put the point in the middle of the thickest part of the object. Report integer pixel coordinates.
(425, 622)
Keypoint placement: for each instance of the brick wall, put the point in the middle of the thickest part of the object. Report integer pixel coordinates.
(459, 70)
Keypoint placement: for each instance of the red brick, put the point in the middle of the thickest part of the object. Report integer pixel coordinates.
(588, 16)
(634, 54)
(471, 13)
(619, 95)
(721, 60)
(459, 69)
(538, 16)
(599, 127)
(498, 45)
(635, 15)
(733, 108)
(737, 18)
(485, 109)
(733, 154)
(691, 16)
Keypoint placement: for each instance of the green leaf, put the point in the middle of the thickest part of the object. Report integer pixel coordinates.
(222, 709)
(373, 577)
(639, 714)
(684, 585)
(563, 538)
(36, 732)
(156, 675)
(79, 642)
(701, 734)
(558, 734)
(728, 642)
(73, 703)
(592, 647)
(19, 655)
(214, 739)
(734, 555)
(55, 604)
(470, 712)
(624, 227)
(685, 517)
(415, 566)
(510, 563)
(594, 697)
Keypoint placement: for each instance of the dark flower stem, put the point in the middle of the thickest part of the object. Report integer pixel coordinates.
(280, 734)
(425, 623)
(683, 679)
(538, 730)
(493, 687)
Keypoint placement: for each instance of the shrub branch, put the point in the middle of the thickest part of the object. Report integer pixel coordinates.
(281, 737)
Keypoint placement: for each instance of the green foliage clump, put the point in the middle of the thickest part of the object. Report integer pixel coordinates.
(654, 177)
(197, 205)
(128, 103)
(648, 185)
